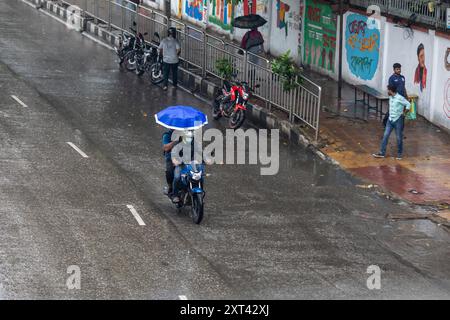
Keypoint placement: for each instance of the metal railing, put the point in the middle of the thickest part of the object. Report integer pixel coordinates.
(406, 8)
(200, 51)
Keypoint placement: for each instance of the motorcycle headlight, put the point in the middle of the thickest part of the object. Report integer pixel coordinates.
(196, 175)
(245, 96)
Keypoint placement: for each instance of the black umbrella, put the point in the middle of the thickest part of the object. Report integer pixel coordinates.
(249, 22)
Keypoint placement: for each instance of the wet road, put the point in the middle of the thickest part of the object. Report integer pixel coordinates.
(307, 232)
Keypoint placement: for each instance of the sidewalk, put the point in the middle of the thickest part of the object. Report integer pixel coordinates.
(350, 137)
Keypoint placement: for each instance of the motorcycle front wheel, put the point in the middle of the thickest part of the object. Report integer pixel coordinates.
(130, 61)
(197, 208)
(156, 73)
(237, 119)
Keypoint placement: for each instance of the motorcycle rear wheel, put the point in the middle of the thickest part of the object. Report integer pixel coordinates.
(197, 208)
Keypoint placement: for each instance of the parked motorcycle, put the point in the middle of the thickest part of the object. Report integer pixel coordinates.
(191, 190)
(146, 56)
(126, 44)
(231, 101)
(156, 70)
(132, 56)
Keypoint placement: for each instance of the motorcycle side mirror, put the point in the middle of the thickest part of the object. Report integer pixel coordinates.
(156, 34)
(134, 23)
(257, 86)
(145, 33)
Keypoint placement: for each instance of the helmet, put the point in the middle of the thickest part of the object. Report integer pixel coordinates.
(172, 32)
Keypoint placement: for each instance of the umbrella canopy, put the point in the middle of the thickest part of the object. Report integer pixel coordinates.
(249, 22)
(181, 118)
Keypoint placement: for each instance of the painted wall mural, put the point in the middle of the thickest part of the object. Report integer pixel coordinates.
(221, 13)
(420, 75)
(363, 47)
(282, 10)
(320, 36)
(194, 9)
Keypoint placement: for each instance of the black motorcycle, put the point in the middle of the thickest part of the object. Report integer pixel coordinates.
(149, 60)
(126, 44)
(137, 52)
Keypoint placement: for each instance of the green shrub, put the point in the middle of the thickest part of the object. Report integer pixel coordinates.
(286, 68)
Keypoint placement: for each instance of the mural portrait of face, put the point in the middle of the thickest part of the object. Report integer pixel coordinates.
(421, 55)
(420, 75)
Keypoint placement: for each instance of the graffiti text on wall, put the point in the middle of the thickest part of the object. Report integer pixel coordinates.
(363, 46)
(320, 35)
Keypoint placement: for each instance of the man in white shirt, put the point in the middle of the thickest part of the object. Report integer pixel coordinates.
(170, 49)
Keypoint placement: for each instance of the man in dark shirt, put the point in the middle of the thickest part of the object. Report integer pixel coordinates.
(398, 81)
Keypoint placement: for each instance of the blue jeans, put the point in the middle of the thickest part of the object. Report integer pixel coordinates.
(398, 126)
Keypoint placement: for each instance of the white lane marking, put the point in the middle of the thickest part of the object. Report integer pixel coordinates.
(84, 155)
(87, 35)
(19, 101)
(136, 215)
(182, 297)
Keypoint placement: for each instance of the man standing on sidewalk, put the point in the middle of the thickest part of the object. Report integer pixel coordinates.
(397, 106)
(170, 49)
(398, 81)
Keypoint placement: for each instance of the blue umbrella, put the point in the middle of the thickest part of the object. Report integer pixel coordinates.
(181, 118)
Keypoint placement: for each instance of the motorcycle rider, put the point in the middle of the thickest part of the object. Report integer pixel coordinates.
(174, 163)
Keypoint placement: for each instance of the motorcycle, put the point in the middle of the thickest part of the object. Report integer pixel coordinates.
(131, 56)
(156, 70)
(191, 190)
(231, 101)
(147, 56)
(126, 44)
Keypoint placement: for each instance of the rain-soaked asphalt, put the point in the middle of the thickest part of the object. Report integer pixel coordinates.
(306, 232)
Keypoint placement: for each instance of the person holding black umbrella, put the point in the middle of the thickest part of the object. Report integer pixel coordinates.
(253, 42)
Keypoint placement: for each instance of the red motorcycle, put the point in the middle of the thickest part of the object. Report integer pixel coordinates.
(231, 102)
